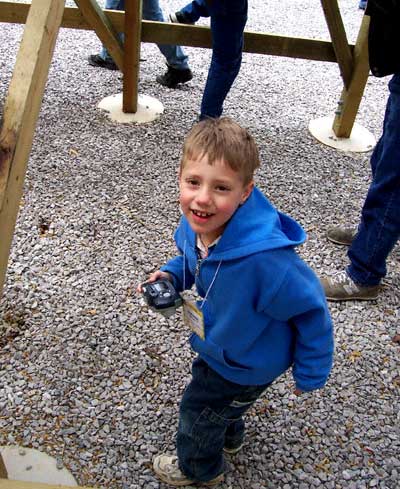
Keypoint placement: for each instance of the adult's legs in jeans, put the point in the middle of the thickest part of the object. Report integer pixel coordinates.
(173, 54)
(210, 404)
(194, 10)
(151, 11)
(112, 5)
(379, 229)
(228, 19)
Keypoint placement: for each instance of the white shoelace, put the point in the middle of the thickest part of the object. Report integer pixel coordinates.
(173, 466)
(345, 281)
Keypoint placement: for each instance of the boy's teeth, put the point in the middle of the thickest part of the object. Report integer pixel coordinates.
(201, 214)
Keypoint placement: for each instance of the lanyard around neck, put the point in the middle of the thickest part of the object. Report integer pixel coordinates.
(212, 281)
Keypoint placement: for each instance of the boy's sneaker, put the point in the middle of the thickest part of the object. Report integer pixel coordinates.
(167, 469)
(99, 62)
(179, 18)
(342, 288)
(341, 235)
(233, 450)
(173, 77)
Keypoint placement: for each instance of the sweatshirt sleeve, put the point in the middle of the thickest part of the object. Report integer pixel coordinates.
(182, 277)
(300, 301)
(178, 267)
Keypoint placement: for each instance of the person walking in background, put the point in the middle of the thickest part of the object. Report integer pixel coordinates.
(190, 13)
(228, 19)
(178, 70)
(362, 4)
(379, 227)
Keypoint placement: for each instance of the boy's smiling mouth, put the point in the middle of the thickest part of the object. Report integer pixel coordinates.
(201, 214)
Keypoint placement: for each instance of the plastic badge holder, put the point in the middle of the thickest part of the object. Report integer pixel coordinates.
(162, 297)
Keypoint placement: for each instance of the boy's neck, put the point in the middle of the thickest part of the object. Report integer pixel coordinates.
(208, 241)
(203, 244)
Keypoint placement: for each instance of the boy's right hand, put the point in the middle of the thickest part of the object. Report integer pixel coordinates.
(155, 276)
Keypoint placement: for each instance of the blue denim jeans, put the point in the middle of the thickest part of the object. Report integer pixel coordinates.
(379, 229)
(196, 9)
(228, 19)
(174, 55)
(210, 418)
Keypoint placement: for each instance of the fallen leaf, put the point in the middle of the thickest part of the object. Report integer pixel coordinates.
(354, 355)
(92, 312)
(396, 339)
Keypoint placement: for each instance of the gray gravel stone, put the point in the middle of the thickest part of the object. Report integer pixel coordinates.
(87, 373)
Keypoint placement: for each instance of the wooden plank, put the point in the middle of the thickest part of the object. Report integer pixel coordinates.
(133, 32)
(21, 110)
(3, 470)
(10, 484)
(187, 35)
(105, 31)
(351, 98)
(291, 47)
(16, 13)
(339, 39)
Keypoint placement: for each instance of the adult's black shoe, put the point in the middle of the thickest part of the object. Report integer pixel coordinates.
(179, 18)
(173, 77)
(99, 62)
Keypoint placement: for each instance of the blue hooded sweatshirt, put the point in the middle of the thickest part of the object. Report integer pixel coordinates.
(265, 310)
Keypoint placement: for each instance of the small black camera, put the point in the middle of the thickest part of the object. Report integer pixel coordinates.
(162, 297)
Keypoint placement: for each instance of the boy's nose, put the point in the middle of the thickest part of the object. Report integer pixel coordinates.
(203, 196)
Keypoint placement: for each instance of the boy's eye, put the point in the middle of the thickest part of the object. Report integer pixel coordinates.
(192, 181)
(223, 188)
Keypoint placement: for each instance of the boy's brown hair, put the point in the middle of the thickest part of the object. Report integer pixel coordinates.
(223, 139)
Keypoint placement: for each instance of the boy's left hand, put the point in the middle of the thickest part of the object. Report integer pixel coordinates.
(153, 277)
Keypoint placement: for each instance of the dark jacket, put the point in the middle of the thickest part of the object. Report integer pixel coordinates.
(384, 36)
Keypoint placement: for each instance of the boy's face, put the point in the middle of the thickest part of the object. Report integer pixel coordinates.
(209, 196)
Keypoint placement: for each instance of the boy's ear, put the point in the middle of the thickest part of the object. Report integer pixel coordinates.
(247, 191)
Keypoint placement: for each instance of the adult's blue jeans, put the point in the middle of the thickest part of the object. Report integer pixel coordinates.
(228, 19)
(196, 9)
(379, 229)
(210, 418)
(174, 55)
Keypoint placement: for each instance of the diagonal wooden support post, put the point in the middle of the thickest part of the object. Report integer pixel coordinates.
(350, 98)
(339, 39)
(133, 34)
(21, 112)
(3, 470)
(96, 18)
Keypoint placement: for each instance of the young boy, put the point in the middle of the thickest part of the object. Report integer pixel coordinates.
(261, 308)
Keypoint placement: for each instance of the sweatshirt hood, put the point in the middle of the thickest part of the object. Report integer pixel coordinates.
(255, 226)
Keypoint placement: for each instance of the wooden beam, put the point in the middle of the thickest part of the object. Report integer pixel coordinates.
(10, 484)
(17, 13)
(3, 470)
(339, 39)
(21, 110)
(187, 35)
(133, 32)
(105, 31)
(350, 98)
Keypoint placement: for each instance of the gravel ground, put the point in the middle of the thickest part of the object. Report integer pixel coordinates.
(92, 377)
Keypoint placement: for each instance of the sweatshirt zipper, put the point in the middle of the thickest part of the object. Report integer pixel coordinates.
(198, 265)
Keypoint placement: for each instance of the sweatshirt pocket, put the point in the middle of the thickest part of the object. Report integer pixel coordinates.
(213, 351)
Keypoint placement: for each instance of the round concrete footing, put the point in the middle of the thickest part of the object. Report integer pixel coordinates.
(29, 465)
(360, 140)
(148, 109)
